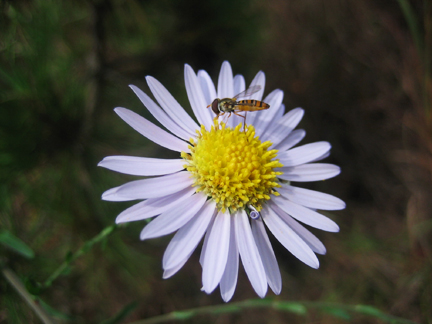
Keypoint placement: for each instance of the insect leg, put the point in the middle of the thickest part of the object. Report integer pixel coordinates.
(226, 119)
(217, 116)
(244, 117)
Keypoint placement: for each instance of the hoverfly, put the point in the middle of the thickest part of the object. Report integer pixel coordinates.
(232, 106)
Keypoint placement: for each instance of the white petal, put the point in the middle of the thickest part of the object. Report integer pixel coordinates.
(311, 198)
(274, 99)
(239, 86)
(171, 106)
(229, 278)
(172, 271)
(226, 88)
(314, 243)
(151, 131)
(280, 112)
(249, 254)
(306, 216)
(208, 90)
(153, 206)
(292, 139)
(268, 257)
(225, 82)
(174, 218)
(275, 121)
(309, 172)
(187, 238)
(303, 154)
(288, 238)
(258, 80)
(110, 195)
(206, 238)
(279, 130)
(151, 188)
(141, 166)
(322, 157)
(196, 97)
(216, 254)
(207, 86)
(161, 115)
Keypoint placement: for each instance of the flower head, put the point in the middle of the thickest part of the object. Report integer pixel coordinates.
(232, 167)
(230, 180)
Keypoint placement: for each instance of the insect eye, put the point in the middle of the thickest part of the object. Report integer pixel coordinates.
(214, 106)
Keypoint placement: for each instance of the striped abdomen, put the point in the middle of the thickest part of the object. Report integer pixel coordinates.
(251, 105)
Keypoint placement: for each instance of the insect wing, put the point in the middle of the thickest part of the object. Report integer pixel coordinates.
(248, 92)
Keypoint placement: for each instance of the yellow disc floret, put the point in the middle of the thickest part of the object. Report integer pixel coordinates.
(233, 167)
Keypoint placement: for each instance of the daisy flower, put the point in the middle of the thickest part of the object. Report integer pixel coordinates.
(229, 183)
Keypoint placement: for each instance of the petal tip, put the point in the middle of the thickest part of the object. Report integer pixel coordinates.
(107, 195)
(134, 88)
(226, 298)
(119, 110)
(121, 220)
(263, 293)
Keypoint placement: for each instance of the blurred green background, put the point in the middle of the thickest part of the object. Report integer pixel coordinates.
(361, 70)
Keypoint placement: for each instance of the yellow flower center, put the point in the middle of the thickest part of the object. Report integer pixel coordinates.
(233, 167)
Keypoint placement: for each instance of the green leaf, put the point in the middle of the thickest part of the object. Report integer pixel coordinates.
(337, 312)
(369, 310)
(14, 243)
(183, 315)
(227, 309)
(292, 307)
(372, 311)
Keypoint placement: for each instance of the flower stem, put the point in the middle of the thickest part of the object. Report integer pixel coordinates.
(295, 307)
(86, 247)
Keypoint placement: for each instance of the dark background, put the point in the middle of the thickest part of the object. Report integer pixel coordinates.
(358, 68)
